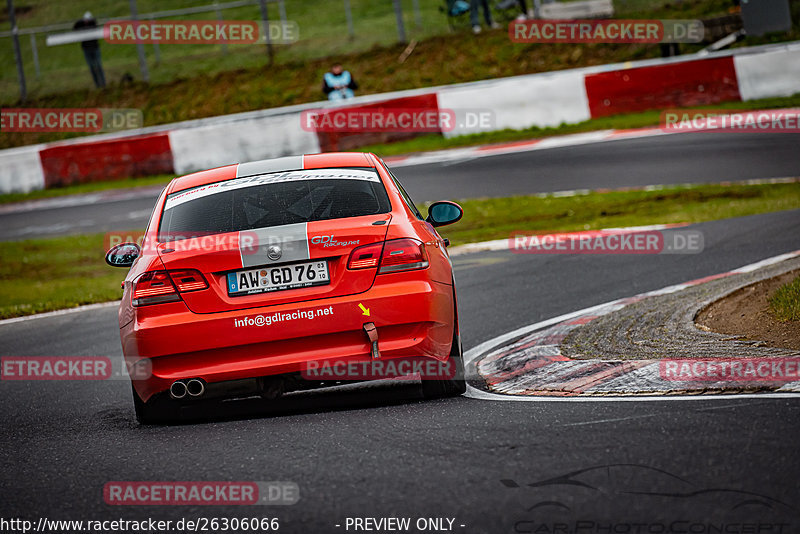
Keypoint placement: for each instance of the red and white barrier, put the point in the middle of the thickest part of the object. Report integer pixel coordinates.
(684, 84)
(140, 155)
(520, 102)
(249, 139)
(767, 75)
(21, 170)
(547, 99)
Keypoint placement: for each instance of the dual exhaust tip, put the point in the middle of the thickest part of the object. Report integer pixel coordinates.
(194, 387)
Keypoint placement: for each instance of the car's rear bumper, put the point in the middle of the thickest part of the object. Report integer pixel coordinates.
(414, 319)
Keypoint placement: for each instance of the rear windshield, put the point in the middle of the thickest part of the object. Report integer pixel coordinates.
(273, 200)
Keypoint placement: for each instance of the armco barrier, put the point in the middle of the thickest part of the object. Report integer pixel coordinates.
(546, 99)
(72, 163)
(522, 101)
(253, 138)
(768, 75)
(335, 141)
(21, 169)
(692, 83)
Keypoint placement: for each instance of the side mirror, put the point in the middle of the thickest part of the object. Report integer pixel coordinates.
(123, 255)
(444, 212)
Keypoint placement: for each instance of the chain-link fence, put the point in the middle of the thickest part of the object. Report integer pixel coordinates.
(325, 28)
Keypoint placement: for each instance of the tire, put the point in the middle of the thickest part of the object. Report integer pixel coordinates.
(158, 410)
(449, 387)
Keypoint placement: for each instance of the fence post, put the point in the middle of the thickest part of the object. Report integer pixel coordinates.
(265, 21)
(23, 89)
(282, 10)
(219, 18)
(417, 14)
(349, 15)
(398, 13)
(156, 49)
(139, 46)
(35, 52)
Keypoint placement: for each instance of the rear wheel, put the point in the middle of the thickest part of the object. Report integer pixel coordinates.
(158, 410)
(449, 387)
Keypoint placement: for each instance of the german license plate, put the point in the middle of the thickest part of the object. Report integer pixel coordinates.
(268, 279)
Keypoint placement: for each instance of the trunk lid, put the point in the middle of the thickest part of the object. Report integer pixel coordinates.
(234, 263)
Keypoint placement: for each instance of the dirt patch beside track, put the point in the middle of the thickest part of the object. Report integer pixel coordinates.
(745, 314)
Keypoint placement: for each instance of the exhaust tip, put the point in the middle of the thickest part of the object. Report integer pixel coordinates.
(177, 390)
(195, 387)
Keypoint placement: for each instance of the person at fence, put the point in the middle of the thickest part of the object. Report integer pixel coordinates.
(508, 4)
(457, 7)
(474, 19)
(91, 50)
(338, 83)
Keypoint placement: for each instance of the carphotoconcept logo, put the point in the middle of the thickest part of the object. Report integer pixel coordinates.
(731, 120)
(608, 242)
(200, 32)
(606, 31)
(92, 120)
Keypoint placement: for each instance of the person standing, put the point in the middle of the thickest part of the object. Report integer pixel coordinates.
(338, 84)
(91, 50)
(474, 19)
(526, 13)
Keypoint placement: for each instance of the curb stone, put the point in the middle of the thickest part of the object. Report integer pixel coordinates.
(616, 349)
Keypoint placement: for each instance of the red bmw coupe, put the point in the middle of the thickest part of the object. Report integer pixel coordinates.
(280, 275)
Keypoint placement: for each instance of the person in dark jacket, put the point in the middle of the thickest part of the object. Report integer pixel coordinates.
(91, 50)
(338, 84)
(474, 19)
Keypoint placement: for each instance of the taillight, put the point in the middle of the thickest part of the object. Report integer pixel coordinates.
(156, 287)
(403, 255)
(392, 256)
(366, 257)
(188, 280)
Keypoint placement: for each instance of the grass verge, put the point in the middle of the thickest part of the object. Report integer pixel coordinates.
(785, 302)
(48, 274)
(616, 122)
(496, 218)
(161, 179)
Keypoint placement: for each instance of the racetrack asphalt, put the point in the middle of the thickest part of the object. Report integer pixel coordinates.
(702, 157)
(380, 451)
